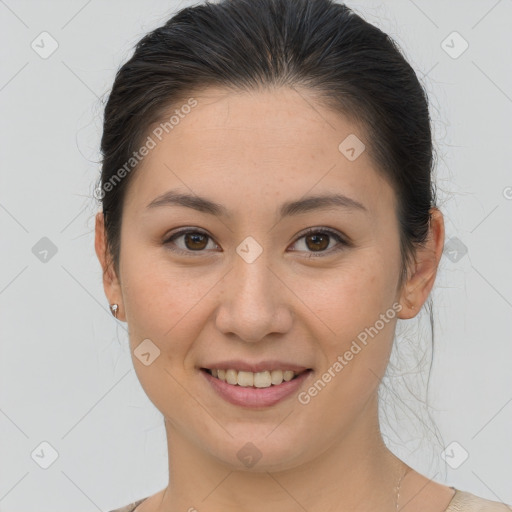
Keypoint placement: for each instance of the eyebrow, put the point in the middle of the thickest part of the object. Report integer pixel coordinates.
(304, 205)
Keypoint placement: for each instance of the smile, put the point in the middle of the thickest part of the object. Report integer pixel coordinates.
(262, 379)
(255, 390)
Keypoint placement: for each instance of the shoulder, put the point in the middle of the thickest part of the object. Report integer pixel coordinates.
(464, 501)
(129, 508)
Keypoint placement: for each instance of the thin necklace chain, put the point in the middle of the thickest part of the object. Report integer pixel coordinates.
(399, 485)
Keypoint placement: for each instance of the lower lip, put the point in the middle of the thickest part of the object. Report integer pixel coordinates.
(255, 397)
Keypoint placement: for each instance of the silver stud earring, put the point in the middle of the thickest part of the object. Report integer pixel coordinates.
(113, 309)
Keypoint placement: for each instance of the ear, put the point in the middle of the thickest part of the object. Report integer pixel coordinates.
(111, 283)
(416, 289)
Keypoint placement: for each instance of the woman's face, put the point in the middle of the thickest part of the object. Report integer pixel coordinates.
(250, 286)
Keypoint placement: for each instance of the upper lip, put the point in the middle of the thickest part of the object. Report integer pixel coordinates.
(238, 364)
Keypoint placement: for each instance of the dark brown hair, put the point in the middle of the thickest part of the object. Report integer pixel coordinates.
(350, 65)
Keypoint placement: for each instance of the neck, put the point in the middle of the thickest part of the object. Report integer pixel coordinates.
(355, 471)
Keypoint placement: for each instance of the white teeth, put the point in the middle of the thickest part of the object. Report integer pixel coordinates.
(288, 375)
(245, 379)
(276, 376)
(263, 379)
(231, 377)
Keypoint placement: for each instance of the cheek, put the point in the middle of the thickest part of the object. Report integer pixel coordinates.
(356, 305)
(164, 302)
(358, 310)
(351, 299)
(164, 307)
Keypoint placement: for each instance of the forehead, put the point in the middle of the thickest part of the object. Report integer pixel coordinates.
(282, 143)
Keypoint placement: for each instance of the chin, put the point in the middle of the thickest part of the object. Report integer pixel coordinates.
(261, 450)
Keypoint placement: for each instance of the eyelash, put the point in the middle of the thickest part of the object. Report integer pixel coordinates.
(343, 243)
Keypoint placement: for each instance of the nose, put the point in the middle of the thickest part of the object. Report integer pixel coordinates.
(254, 301)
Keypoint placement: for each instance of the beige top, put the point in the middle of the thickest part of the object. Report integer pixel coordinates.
(462, 501)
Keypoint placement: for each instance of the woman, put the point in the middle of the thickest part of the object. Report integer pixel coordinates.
(268, 216)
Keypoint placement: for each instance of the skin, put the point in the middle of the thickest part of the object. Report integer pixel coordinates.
(251, 152)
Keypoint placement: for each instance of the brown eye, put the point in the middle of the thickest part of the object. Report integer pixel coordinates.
(317, 240)
(193, 241)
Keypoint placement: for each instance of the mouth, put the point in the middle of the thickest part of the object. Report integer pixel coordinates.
(255, 390)
(263, 379)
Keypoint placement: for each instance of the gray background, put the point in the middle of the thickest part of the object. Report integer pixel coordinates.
(66, 376)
